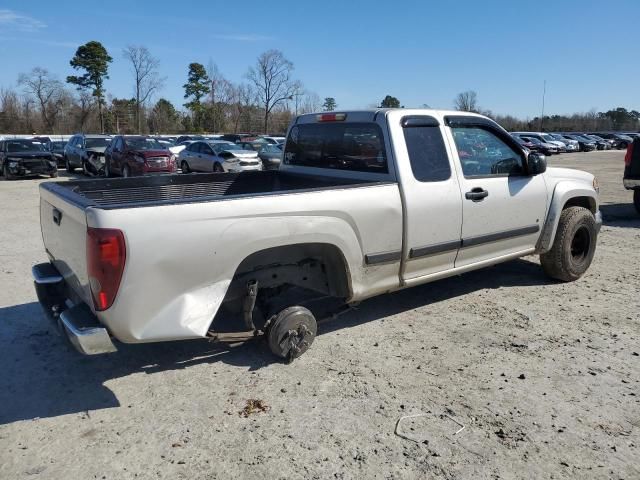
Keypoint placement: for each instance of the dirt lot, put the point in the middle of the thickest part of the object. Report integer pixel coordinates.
(543, 376)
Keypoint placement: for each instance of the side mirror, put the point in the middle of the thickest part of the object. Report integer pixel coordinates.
(537, 163)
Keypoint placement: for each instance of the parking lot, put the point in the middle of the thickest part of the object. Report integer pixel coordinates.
(543, 376)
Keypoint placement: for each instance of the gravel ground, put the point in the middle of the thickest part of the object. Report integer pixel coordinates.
(543, 376)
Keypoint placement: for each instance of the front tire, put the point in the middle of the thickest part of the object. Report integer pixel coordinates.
(573, 247)
(68, 165)
(54, 174)
(636, 199)
(7, 174)
(185, 167)
(107, 169)
(217, 168)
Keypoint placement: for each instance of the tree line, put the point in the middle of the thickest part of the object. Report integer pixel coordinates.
(265, 101)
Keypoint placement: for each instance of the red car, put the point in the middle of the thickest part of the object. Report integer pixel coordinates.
(130, 155)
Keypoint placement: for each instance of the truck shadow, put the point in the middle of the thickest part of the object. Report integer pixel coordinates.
(620, 215)
(43, 378)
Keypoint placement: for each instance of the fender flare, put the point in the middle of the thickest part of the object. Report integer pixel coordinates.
(564, 192)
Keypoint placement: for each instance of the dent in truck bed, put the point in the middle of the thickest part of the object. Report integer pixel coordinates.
(175, 189)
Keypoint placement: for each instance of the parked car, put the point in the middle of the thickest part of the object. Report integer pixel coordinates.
(271, 156)
(621, 141)
(234, 137)
(542, 147)
(183, 138)
(342, 220)
(87, 152)
(631, 178)
(273, 140)
(56, 147)
(601, 143)
(217, 156)
(571, 145)
(250, 143)
(561, 147)
(20, 157)
(133, 155)
(178, 147)
(586, 144)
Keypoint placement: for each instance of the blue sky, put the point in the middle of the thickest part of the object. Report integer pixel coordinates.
(356, 51)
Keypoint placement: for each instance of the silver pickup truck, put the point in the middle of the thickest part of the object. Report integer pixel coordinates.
(364, 203)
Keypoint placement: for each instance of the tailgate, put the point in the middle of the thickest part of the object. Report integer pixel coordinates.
(64, 233)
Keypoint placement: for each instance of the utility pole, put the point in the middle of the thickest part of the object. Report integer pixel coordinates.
(544, 91)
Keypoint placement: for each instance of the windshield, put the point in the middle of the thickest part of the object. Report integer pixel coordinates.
(548, 138)
(24, 146)
(532, 140)
(97, 142)
(226, 146)
(141, 143)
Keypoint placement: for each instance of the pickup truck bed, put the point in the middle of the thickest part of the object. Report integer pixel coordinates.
(202, 187)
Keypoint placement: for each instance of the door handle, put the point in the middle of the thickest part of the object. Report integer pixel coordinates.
(476, 194)
(57, 216)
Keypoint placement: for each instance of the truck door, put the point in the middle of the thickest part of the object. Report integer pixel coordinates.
(433, 206)
(503, 206)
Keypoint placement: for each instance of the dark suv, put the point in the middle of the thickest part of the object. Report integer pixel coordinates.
(631, 179)
(87, 152)
(20, 157)
(620, 141)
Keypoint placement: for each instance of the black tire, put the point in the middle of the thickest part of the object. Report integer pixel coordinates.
(292, 332)
(67, 165)
(574, 245)
(54, 174)
(126, 171)
(185, 167)
(6, 173)
(217, 168)
(85, 169)
(636, 199)
(107, 168)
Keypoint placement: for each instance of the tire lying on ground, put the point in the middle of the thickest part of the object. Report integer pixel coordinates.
(573, 247)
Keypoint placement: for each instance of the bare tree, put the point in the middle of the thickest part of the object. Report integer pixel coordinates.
(146, 77)
(241, 99)
(10, 116)
(271, 77)
(310, 103)
(45, 90)
(466, 101)
(219, 94)
(85, 102)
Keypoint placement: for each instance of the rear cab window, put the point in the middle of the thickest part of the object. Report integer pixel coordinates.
(340, 146)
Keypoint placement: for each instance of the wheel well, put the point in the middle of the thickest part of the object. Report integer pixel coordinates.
(283, 276)
(586, 202)
(296, 264)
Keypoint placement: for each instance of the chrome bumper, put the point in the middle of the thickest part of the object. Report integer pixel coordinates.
(78, 323)
(631, 184)
(82, 330)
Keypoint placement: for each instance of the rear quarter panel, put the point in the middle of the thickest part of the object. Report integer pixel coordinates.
(182, 258)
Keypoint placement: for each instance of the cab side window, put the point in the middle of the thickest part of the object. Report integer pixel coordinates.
(482, 153)
(427, 153)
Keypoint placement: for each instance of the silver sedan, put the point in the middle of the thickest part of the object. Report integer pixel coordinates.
(217, 156)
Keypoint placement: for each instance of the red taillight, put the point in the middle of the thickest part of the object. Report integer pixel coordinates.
(629, 154)
(331, 117)
(106, 255)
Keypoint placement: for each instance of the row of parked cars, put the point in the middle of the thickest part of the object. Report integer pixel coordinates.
(550, 143)
(129, 155)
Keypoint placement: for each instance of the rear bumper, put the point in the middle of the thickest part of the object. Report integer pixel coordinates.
(631, 183)
(76, 322)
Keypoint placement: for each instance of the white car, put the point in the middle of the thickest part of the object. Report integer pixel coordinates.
(217, 156)
(364, 203)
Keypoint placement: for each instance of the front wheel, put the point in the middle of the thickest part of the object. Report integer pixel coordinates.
(217, 168)
(68, 165)
(185, 167)
(107, 168)
(636, 199)
(7, 174)
(54, 174)
(574, 245)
